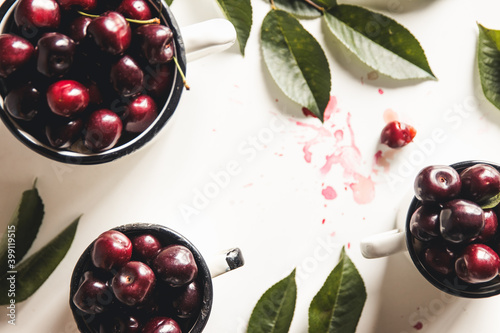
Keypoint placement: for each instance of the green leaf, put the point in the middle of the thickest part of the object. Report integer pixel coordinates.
(239, 13)
(22, 228)
(380, 42)
(336, 308)
(35, 270)
(325, 4)
(169, 2)
(296, 61)
(488, 58)
(298, 8)
(273, 312)
(490, 202)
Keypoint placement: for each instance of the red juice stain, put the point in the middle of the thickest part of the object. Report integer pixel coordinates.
(308, 113)
(380, 91)
(363, 189)
(418, 326)
(329, 193)
(390, 115)
(349, 245)
(323, 222)
(381, 161)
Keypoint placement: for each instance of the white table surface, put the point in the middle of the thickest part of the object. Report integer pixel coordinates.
(273, 207)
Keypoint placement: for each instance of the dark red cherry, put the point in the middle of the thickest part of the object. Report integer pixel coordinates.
(23, 103)
(127, 77)
(78, 28)
(111, 32)
(135, 9)
(490, 226)
(478, 264)
(156, 42)
(140, 113)
(461, 221)
(15, 52)
(424, 223)
(78, 4)
(397, 135)
(55, 53)
(111, 250)
(133, 283)
(34, 14)
(161, 325)
(188, 301)
(122, 324)
(175, 265)
(437, 183)
(158, 79)
(63, 133)
(146, 246)
(480, 182)
(103, 130)
(93, 295)
(67, 98)
(440, 258)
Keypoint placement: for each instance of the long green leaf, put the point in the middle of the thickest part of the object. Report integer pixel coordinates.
(34, 271)
(22, 228)
(379, 42)
(169, 2)
(296, 61)
(297, 7)
(488, 58)
(239, 13)
(337, 307)
(273, 312)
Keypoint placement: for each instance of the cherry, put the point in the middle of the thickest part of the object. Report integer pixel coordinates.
(158, 80)
(437, 183)
(156, 43)
(478, 264)
(127, 77)
(140, 113)
(440, 258)
(111, 250)
(103, 130)
(480, 182)
(78, 28)
(55, 54)
(79, 4)
(93, 295)
(23, 103)
(461, 221)
(32, 14)
(188, 301)
(175, 265)
(63, 133)
(135, 9)
(15, 52)
(67, 98)
(123, 324)
(111, 32)
(133, 283)
(424, 223)
(161, 325)
(490, 226)
(146, 246)
(397, 135)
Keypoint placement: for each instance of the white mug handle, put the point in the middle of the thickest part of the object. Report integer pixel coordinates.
(225, 261)
(207, 37)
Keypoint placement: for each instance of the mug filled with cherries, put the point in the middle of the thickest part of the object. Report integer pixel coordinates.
(450, 228)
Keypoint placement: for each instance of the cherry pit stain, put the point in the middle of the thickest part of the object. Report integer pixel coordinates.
(329, 193)
(418, 326)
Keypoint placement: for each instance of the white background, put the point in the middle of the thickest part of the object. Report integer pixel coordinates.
(273, 207)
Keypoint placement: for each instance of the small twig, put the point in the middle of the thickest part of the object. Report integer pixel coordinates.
(321, 9)
(154, 20)
(184, 81)
(273, 6)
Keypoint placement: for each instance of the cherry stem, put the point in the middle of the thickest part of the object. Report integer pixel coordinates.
(154, 20)
(321, 9)
(184, 81)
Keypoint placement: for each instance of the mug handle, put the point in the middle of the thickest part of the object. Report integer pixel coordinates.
(225, 261)
(383, 244)
(207, 37)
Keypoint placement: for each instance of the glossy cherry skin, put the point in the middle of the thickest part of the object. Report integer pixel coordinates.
(480, 182)
(397, 135)
(461, 221)
(63, 133)
(23, 103)
(437, 183)
(140, 113)
(440, 258)
(490, 226)
(161, 325)
(124, 324)
(133, 283)
(156, 42)
(135, 9)
(188, 301)
(103, 130)
(55, 53)
(478, 264)
(78, 28)
(146, 246)
(93, 295)
(111, 250)
(175, 265)
(78, 4)
(126, 76)
(34, 14)
(15, 52)
(424, 222)
(67, 98)
(158, 79)
(111, 32)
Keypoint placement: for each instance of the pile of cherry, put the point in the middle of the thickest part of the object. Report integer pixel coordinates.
(457, 221)
(138, 284)
(85, 71)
